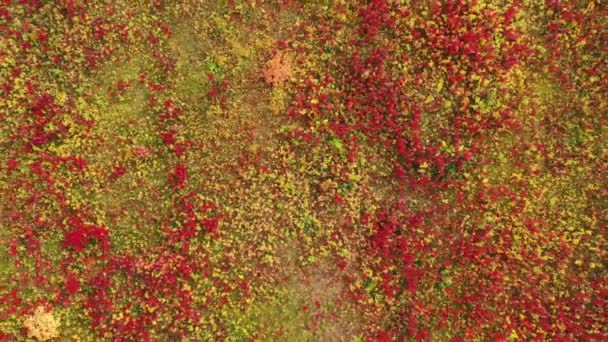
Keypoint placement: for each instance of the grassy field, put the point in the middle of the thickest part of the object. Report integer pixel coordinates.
(303, 170)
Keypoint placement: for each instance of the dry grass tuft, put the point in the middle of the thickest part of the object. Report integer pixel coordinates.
(278, 69)
(42, 325)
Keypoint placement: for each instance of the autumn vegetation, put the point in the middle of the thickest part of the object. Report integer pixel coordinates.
(379, 170)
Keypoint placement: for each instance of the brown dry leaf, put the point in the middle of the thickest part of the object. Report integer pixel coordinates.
(278, 69)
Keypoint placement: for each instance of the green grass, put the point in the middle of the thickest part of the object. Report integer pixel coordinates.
(279, 318)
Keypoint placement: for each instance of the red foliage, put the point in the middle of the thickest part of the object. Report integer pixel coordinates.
(81, 235)
(179, 176)
(72, 285)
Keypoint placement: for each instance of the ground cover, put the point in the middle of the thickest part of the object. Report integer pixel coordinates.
(303, 170)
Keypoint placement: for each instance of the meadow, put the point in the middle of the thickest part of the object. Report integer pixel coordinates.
(348, 170)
